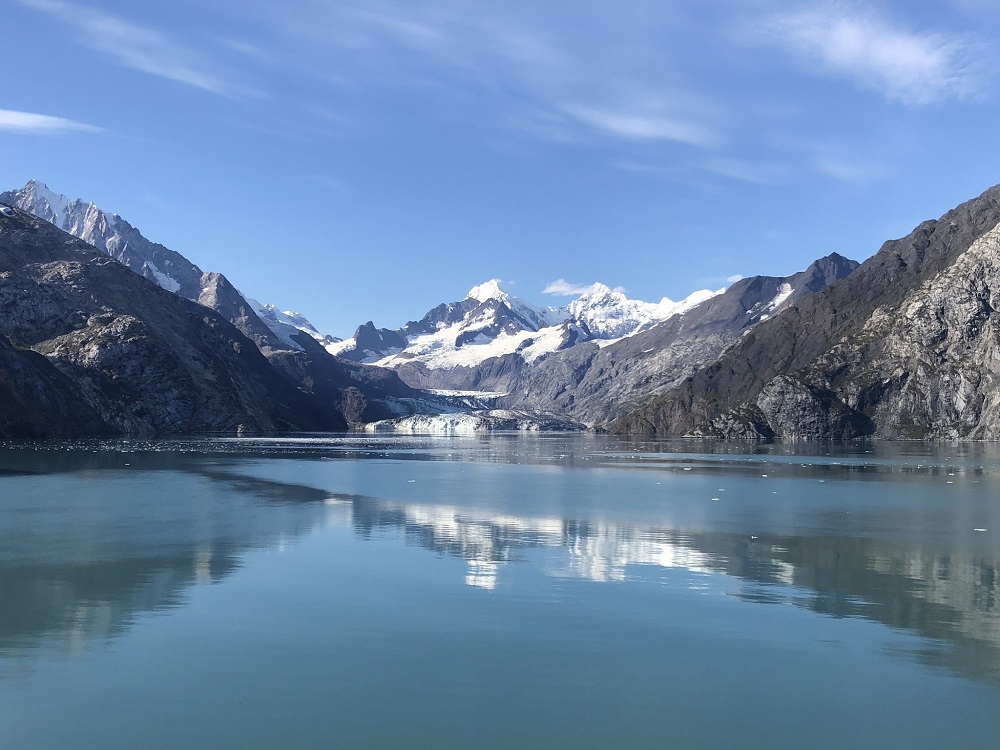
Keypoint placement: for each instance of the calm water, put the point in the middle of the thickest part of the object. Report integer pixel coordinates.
(498, 592)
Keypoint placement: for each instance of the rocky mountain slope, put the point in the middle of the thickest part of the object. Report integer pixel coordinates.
(589, 361)
(269, 328)
(38, 400)
(596, 384)
(905, 347)
(289, 341)
(115, 346)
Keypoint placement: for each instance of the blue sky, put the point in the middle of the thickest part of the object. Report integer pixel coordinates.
(368, 159)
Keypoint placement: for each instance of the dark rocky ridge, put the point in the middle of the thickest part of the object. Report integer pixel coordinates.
(825, 367)
(38, 401)
(114, 236)
(145, 361)
(595, 384)
(357, 395)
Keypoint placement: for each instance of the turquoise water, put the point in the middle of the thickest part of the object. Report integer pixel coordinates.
(498, 592)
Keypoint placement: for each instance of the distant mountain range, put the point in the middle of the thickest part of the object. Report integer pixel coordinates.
(905, 345)
(490, 323)
(590, 360)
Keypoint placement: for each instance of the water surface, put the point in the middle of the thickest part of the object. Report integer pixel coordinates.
(541, 591)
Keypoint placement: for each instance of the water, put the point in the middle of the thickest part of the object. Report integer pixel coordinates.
(498, 592)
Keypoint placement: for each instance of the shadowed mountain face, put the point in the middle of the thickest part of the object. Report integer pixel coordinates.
(140, 358)
(901, 348)
(345, 394)
(596, 384)
(40, 401)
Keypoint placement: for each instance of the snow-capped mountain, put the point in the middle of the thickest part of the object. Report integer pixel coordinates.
(490, 323)
(269, 328)
(609, 314)
(590, 360)
(285, 324)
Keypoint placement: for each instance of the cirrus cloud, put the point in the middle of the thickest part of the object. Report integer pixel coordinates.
(139, 47)
(13, 121)
(914, 67)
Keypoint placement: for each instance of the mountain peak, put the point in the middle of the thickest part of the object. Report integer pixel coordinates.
(42, 201)
(487, 291)
(598, 290)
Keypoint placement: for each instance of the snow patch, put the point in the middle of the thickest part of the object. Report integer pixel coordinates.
(162, 279)
(784, 292)
(285, 324)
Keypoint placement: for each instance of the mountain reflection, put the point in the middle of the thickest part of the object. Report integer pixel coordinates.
(86, 573)
(948, 598)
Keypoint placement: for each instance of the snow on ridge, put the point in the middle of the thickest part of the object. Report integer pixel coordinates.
(784, 292)
(165, 281)
(609, 314)
(601, 314)
(488, 290)
(337, 348)
(53, 204)
(285, 324)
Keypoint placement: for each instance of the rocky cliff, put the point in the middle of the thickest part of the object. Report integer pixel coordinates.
(122, 355)
(903, 347)
(594, 381)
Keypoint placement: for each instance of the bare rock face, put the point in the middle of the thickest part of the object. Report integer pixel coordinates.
(38, 401)
(598, 384)
(143, 360)
(906, 342)
(293, 354)
(929, 368)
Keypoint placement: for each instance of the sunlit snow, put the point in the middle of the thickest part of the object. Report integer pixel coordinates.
(601, 315)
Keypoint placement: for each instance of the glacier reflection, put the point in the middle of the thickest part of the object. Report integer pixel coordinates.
(89, 552)
(949, 598)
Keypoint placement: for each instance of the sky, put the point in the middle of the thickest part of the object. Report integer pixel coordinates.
(361, 160)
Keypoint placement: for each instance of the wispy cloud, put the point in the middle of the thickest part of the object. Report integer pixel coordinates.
(139, 47)
(563, 288)
(913, 67)
(755, 172)
(12, 121)
(854, 171)
(734, 278)
(643, 126)
(514, 67)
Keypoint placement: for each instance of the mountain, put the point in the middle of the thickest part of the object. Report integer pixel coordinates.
(121, 355)
(591, 361)
(598, 382)
(486, 320)
(292, 344)
(440, 349)
(38, 400)
(114, 236)
(905, 347)
(286, 325)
